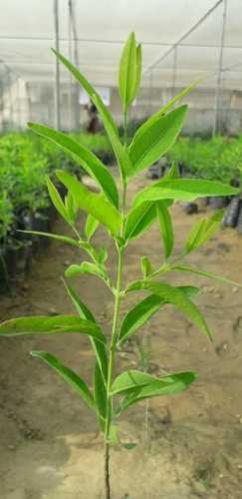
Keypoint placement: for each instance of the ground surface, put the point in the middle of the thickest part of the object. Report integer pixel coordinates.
(192, 446)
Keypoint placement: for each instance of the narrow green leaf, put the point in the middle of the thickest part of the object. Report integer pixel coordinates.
(68, 375)
(128, 380)
(203, 230)
(167, 107)
(120, 151)
(84, 312)
(57, 201)
(184, 190)
(71, 208)
(57, 237)
(91, 163)
(91, 226)
(146, 266)
(128, 72)
(142, 312)
(138, 220)
(133, 385)
(80, 307)
(95, 204)
(86, 268)
(51, 325)
(108, 121)
(100, 395)
(139, 315)
(176, 296)
(173, 172)
(156, 141)
(85, 84)
(102, 256)
(203, 273)
(166, 227)
(138, 68)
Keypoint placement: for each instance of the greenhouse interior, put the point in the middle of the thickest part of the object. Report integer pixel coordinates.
(121, 249)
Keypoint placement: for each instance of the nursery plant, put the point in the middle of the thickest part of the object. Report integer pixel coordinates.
(113, 393)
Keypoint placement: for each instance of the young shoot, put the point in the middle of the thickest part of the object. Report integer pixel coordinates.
(112, 392)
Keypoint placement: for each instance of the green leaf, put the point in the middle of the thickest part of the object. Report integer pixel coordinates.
(93, 166)
(166, 227)
(139, 315)
(137, 386)
(156, 141)
(203, 230)
(167, 107)
(68, 375)
(80, 307)
(108, 121)
(176, 296)
(57, 201)
(71, 208)
(130, 379)
(138, 68)
(102, 256)
(128, 73)
(50, 325)
(138, 220)
(146, 266)
(86, 268)
(120, 151)
(184, 190)
(100, 395)
(95, 204)
(85, 313)
(57, 237)
(173, 172)
(203, 273)
(91, 226)
(142, 312)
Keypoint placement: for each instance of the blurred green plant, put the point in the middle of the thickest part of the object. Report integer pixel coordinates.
(111, 394)
(217, 159)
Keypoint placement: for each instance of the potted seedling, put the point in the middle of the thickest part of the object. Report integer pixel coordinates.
(112, 393)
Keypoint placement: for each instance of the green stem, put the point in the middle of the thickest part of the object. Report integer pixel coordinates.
(115, 329)
(125, 128)
(113, 342)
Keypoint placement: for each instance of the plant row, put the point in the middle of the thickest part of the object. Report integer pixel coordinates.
(25, 160)
(219, 158)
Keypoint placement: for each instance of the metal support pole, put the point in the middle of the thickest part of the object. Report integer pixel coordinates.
(76, 114)
(174, 71)
(150, 105)
(19, 104)
(10, 97)
(1, 106)
(57, 65)
(70, 59)
(220, 70)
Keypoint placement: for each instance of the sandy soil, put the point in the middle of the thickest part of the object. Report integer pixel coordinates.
(189, 446)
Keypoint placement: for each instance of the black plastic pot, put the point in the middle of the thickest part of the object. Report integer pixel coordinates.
(239, 220)
(216, 203)
(15, 264)
(40, 223)
(232, 213)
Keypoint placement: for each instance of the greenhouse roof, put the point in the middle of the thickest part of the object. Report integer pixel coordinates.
(184, 33)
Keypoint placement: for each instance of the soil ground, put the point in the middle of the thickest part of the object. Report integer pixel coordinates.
(189, 445)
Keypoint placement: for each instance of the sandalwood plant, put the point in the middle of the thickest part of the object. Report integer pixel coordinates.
(113, 393)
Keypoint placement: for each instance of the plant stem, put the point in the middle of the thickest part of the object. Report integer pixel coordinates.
(106, 471)
(125, 128)
(115, 331)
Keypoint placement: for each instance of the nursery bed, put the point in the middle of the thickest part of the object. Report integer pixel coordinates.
(49, 447)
